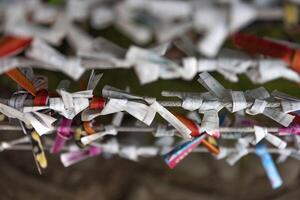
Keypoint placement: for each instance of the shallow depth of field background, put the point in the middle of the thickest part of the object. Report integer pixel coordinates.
(199, 176)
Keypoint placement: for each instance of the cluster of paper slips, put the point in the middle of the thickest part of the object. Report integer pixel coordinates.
(186, 41)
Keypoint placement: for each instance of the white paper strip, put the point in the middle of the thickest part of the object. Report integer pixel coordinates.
(238, 101)
(212, 85)
(260, 133)
(280, 117)
(180, 127)
(210, 122)
(276, 141)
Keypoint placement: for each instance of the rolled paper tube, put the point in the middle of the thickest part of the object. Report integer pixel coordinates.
(180, 152)
(213, 149)
(71, 158)
(295, 65)
(195, 128)
(269, 165)
(63, 134)
(87, 126)
(41, 98)
(10, 45)
(256, 45)
(293, 129)
(97, 103)
(20, 79)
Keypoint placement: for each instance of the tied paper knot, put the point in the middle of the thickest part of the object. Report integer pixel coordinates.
(41, 122)
(191, 104)
(153, 107)
(42, 52)
(257, 107)
(108, 130)
(150, 66)
(254, 102)
(70, 104)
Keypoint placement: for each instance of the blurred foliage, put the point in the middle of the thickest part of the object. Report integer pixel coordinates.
(126, 77)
